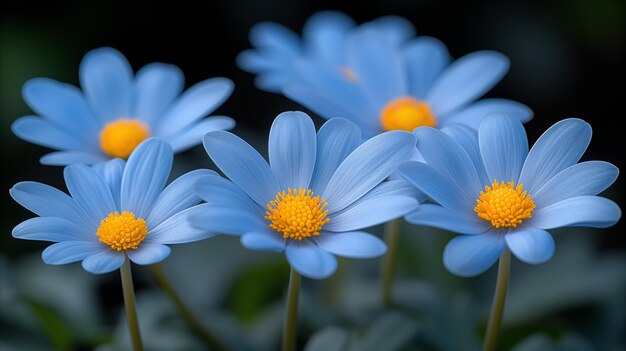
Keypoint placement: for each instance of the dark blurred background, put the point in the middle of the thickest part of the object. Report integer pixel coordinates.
(567, 60)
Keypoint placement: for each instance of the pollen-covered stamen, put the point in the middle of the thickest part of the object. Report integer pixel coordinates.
(504, 205)
(120, 137)
(122, 231)
(406, 113)
(297, 214)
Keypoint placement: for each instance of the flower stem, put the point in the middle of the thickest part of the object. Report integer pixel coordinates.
(497, 309)
(392, 236)
(129, 303)
(291, 312)
(193, 322)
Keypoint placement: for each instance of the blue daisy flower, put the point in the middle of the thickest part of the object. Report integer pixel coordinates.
(277, 48)
(116, 111)
(488, 185)
(116, 210)
(313, 197)
(401, 87)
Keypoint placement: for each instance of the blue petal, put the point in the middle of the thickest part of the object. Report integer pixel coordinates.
(145, 175)
(395, 29)
(156, 86)
(64, 158)
(530, 245)
(90, 191)
(263, 241)
(292, 149)
(585, 178)
(243, 165)
(324, 35)
(71, 251)
(112, 172)
(559, 147)
(465, 80)
(366, 167)
(581, 211)
(149, 253)
(378, 66)
(268, 35)
(52, 229)
(444, 218)
(311, 261)
(352, 244)
(177, 229)
(225, 220)
(62, 104)
(468, 139)
(473, 114)
(41, 132)
(177, 196)
(449, 158)
(255, 61)
(104, 262)
(503, 147)
(223, 193)
(192, 135)
(107, 79)
(426, 58)
(195, 103)
(336, 139)
(470, 255)
(47, 201)
(371, 211)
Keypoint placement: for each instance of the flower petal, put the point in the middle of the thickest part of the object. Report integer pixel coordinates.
(104, 262)
(243, 165)
(145, 175)
(176, 197)
(156, 85)
(192, 136)
(395, 29)
(64, 158)
(366, 167)
(324, 33)
(531, 245)
(262, 241)
(473, 114)
(71, 251)
(444, 218)
(112, 172)
(222, 192)
(90, 191)
(52, 229)
(465, 80)
(107, 79)
(559, 147)
(585, 178)
(195, 103)
(470, 255)
(467, 137)
(41, 132)
(370, 211)
(292, 149)
(336, 139)
(177, 229)
(310, 261)
(352, 244)
(426, 58)
(225, 220)
(503, 147)
(149, 253)
(581, 211)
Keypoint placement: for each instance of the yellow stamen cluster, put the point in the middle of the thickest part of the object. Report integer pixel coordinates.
(122, 231)
(406, 113)
(504, 205)
(297, 214)
(120, 137)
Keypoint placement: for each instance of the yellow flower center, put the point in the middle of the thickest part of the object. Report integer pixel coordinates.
(348, 73)
(120, 137)
(122, 231)
(504, 205)
(406, 113)
(297, 214)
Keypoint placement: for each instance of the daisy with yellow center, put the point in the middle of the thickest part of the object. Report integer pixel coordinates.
(504, 205)
(297, 214)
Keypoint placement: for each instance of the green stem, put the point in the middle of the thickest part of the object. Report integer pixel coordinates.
(193, 322)
(497, 309)
(129, 303)
(291, 312)
(392, 236)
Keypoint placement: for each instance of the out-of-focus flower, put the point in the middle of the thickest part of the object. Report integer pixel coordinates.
(277, 48)
(117, 210)
(487, 185)
(313, 197)
(116, 111)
